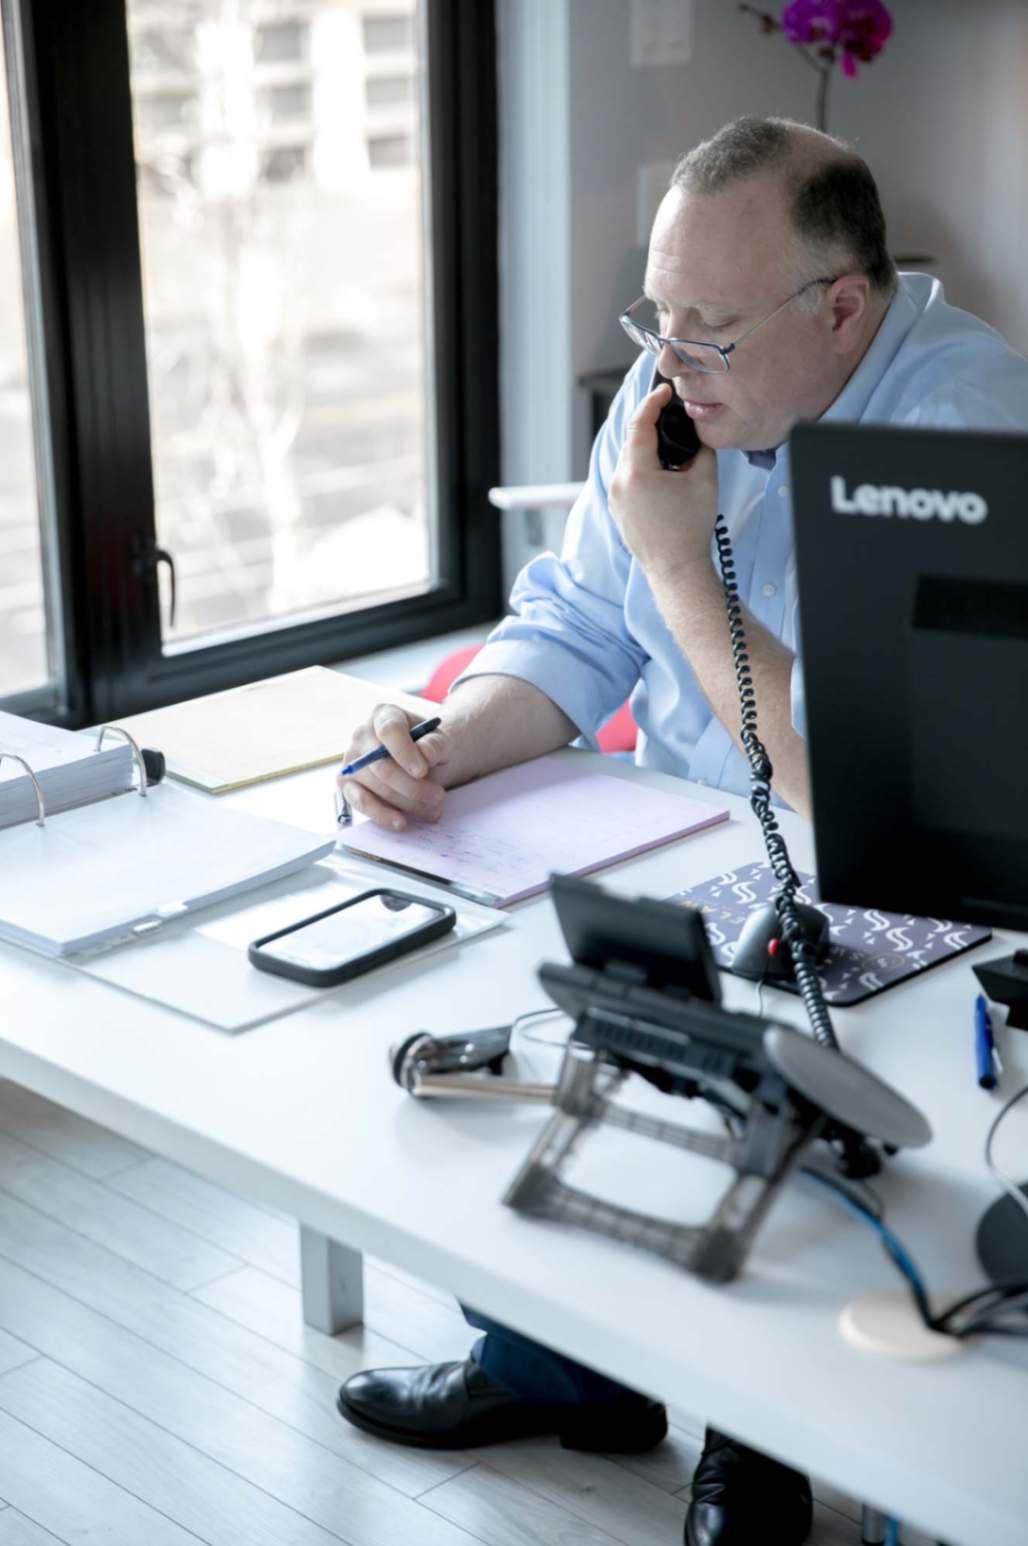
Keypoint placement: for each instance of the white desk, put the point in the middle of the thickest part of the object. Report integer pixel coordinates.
(303, 1114)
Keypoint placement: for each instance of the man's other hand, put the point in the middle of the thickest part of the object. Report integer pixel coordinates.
(666, 518)
(409, 782)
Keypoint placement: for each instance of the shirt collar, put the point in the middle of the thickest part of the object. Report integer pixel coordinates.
(852, 401)
(850, 405)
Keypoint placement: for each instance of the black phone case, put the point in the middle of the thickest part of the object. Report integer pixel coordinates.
(331, 977)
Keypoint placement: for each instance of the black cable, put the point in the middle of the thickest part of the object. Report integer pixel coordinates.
(1006, 1299)
(761, 772)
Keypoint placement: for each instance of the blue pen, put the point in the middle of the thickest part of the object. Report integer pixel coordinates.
(425, 728)
(986, 1056)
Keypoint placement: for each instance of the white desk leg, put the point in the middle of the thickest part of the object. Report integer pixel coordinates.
(332, 1281)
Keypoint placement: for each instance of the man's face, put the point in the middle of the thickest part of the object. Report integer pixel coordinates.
(717, 264)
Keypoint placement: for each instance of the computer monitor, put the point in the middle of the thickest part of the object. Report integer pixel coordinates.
(912, 562)
(912, 557)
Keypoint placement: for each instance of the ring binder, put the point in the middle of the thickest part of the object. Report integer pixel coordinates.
(137, 755)
(40, 802)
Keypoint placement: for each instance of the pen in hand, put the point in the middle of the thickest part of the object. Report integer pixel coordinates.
(344, 815)
(425, 728)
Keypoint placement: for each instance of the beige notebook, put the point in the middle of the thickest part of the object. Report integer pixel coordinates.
(229, 739)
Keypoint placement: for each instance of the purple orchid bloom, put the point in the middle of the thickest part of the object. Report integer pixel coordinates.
(859, 29)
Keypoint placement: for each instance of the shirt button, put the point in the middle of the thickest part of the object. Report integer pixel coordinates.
(783, 492)
(768, 589)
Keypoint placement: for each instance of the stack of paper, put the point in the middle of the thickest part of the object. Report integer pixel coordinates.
(120, 869)
(199, 966)
(230, 739)
(68, 767)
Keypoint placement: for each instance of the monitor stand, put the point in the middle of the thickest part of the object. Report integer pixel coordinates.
(1002, 1240)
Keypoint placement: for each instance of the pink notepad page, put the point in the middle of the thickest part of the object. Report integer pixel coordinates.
(505, 835)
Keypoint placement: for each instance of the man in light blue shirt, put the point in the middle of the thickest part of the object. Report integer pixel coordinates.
(928, 364)
(770, 297)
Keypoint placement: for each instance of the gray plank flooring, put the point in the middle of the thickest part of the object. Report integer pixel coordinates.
(158, 1385)
(17, 1530)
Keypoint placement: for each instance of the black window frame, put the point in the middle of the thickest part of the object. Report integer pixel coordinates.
(72, 64)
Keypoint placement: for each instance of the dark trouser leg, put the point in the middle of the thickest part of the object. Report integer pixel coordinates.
(509, 1388)
(535, 1372)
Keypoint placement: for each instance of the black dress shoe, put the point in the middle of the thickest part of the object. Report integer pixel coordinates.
(741, 1498)
(457, 1406)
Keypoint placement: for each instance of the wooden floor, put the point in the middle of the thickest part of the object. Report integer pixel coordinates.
(158, 1386)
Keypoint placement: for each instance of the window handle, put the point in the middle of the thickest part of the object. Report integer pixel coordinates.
(147, 558)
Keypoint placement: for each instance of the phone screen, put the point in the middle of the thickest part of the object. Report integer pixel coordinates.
(351, 931)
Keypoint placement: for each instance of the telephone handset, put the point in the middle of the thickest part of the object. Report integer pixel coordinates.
(677, 439)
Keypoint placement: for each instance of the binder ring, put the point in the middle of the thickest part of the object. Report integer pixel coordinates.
(41, 807)
(137, 755)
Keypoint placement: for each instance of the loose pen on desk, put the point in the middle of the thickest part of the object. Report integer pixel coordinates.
(344, 816)
(987, 1061)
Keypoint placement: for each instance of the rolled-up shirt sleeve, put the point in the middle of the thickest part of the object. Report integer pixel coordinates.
(566, 633)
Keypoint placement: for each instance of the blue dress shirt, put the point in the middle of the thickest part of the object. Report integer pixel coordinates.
(585, 628)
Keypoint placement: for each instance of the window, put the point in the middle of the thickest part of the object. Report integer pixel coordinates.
(386, 150)
(388, 33)
(28, 623)
(237, 234)
(389, 90)
(285, 104)
(282, 42)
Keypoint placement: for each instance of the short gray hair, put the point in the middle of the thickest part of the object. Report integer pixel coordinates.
(834, 208)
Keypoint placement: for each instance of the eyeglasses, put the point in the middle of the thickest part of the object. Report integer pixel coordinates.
(691, 353)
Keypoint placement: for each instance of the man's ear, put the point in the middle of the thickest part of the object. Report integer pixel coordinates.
(849, 302)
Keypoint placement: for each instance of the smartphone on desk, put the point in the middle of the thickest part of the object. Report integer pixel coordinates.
(345, 941)
(677, 437)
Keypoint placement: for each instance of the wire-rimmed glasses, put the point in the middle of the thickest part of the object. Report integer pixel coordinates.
(692, 353)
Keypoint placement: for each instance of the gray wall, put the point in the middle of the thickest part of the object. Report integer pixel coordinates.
(942, 117)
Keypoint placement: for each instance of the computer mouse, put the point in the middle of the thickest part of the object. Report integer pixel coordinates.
(761, 954)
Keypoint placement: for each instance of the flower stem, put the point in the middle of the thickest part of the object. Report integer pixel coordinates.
(821, 111)
(808, 58)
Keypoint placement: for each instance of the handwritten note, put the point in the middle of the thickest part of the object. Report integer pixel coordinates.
(508, 833)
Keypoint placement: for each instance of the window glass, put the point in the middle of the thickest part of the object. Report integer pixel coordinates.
(280, 209)
(24, 643)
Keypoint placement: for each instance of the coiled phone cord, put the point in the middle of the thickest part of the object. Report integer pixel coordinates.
(761, 771)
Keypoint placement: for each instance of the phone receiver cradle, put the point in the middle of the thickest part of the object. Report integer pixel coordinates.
(780, 1090)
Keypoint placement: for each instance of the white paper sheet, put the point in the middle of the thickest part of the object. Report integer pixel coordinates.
(94, 874)
(200, 967)
(507, 834)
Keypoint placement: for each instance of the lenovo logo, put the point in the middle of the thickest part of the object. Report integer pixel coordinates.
(923, 504)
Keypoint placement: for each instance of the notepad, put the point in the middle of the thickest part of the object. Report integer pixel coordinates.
(230, 739)
(504, 836)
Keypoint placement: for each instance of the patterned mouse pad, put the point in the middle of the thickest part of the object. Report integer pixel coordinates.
(870, 950)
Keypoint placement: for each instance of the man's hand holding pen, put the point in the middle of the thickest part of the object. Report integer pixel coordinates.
(404, 779)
